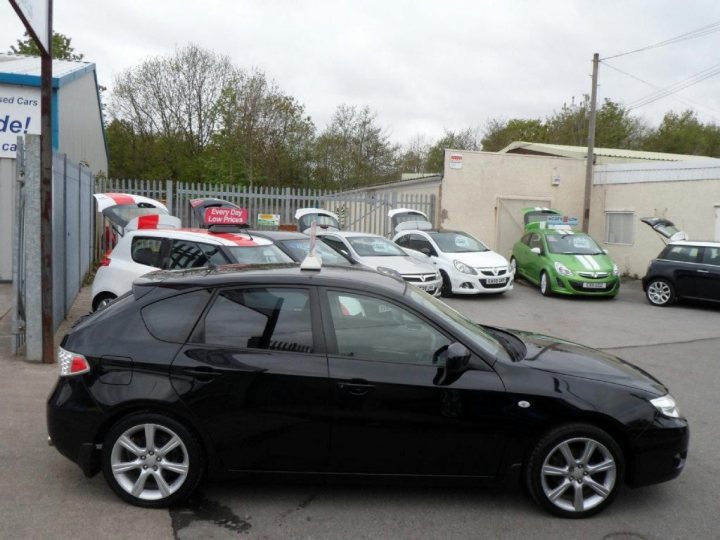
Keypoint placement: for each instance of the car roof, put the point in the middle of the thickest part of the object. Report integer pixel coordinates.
(349, 234)
(698, 243)
(271, 274)
(204, 235)
(280, 235)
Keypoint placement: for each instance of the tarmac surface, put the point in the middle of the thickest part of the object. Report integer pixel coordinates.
(43, 495)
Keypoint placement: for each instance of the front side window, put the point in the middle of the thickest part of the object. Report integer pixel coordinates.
(403, 241)
(146, 250)
(681, 253)
(259, 318)
(370, 328)
(619, 228)
(534, 241)
(451, 242)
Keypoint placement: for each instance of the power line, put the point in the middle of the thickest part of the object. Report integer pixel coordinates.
(699, 32)
(637, 103)
(676, 87)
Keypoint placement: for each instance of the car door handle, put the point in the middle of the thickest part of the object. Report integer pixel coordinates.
(356, 388)
(703, 271)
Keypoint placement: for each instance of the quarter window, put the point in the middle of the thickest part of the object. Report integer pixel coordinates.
(259, 318)
(146, 250)
(374, 329)
(172, 319)
(619, 228)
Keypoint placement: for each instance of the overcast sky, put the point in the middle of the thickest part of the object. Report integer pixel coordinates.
(422, 66)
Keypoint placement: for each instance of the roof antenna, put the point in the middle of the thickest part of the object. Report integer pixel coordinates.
(312, 261)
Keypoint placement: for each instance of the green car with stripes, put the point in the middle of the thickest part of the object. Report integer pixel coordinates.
(560, 260)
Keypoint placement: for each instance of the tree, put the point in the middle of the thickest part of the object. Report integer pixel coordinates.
(62, 48)
(414, 155)
(467, 139)
(353, 151)
(268, 130)
(175, 101)
(498, 133)
(683, 133)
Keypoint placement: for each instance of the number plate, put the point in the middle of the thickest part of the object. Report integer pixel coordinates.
(495, 280)
(594, 285)
(428, 288)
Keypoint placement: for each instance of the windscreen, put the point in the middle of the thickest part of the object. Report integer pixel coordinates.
(374, 246)
(270, 254)
(451, 242)
(572, 244)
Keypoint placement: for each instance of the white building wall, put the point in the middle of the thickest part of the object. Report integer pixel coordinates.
(686, 193)
(80, 128)
(484, 196)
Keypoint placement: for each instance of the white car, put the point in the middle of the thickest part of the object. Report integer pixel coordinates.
(466, 265)
(143, 250)
(380, 254)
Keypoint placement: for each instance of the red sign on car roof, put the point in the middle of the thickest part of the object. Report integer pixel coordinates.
(225, 216)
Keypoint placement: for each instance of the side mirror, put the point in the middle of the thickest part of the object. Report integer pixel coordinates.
(456, 358)
(536, 250)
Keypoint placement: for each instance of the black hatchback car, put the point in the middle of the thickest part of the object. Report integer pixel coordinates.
(214, 372)
(684, 270)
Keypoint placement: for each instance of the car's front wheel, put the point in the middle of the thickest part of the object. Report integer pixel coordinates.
(660, 293)
(446, 288)
(545, 287)
(151, 460)
(575, 470)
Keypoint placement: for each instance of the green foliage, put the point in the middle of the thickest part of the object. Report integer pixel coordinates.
(62, 48)
(683, 133)
(499, 134)
(466, 139)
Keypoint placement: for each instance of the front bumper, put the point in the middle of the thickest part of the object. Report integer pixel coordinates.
(659, 454)
(578, 286)
(481, 284)
(431, 287)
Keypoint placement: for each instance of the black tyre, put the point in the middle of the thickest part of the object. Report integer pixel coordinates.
(545, 287)
(513, 267)
(102, 300)
(446, 289)
(151, 460)
(660, 292)
(575, 470)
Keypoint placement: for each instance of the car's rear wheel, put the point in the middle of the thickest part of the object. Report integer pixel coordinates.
(102, 300)
(575, 470)
(151, 460)
(545, 287)
(660, 293)
(446, 289)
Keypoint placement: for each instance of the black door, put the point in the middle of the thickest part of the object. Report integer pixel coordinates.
(390, 415)
(681, 262)
(254, 371)
(708, 274)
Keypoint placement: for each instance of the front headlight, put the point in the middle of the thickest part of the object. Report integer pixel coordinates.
(563, 270)
(464, 268)
(388, 271)
(616, 270)
(666, 406)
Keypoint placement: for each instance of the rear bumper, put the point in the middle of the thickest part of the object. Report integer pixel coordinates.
(660, 453)
(72, 425)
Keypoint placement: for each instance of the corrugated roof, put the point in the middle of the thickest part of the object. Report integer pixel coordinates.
(581, 152)
(19, 69)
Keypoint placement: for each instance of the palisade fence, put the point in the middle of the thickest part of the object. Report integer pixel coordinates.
(358, 211)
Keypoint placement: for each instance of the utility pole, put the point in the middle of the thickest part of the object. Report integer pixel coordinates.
(590, 145)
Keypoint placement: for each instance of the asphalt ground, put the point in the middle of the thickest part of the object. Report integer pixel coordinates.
(43, 495)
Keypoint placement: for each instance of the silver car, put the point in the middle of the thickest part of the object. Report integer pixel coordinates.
(382, 255)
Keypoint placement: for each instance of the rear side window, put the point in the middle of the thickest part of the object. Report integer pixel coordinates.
(711, 255)
(681, 253)
(172, 319)
(146, 250)
(186, 254)
(259, 318)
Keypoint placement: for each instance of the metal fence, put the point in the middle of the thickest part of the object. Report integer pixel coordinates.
(72, 249)
(357, 211)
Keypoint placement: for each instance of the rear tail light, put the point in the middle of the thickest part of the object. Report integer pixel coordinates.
(70, 363)
(105, 261)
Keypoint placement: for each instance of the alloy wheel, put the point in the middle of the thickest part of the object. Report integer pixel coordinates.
(659, 293)
(149, 462)
(578, 474)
